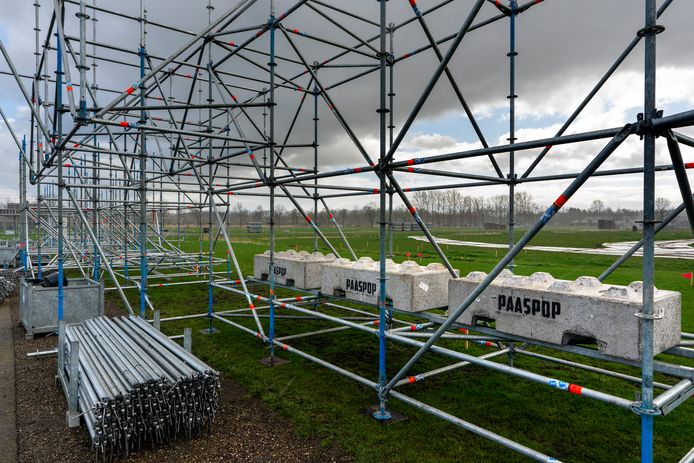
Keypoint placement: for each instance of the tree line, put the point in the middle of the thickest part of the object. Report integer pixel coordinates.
(437, 208)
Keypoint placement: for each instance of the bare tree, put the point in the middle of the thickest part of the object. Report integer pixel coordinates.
(241, 213)
(295, 217)
(498, 206)
(662, 207)
(453, 204)
(597, 207)
(370, 210)
(525, 207)
(258, 214)
(279, 213)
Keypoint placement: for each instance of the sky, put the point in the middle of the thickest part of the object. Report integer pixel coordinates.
(564, 47)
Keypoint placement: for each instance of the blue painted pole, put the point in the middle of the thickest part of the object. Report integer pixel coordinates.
(58, 124)
(143, 165)
(649, 112)
(382, 414)
(23, 239)
(272, 23)
(210, 196)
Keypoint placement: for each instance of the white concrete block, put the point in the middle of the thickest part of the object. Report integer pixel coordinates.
(410, 286)
(564, 312)
(298, 269)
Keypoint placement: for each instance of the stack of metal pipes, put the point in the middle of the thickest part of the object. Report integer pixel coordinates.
(8, 283)
(136, 386)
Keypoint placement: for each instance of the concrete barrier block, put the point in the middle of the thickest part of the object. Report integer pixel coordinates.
(410, 287)
(569, 312)
(298, 269)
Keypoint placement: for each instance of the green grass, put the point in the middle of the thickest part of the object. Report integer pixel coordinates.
(324, 404)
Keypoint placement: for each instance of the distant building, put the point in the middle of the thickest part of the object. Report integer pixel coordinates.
(9, 218)
(409, 226)
(494, 226)
(254, 227)
(607, 224)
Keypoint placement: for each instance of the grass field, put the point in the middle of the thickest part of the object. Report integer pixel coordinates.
(324, 404)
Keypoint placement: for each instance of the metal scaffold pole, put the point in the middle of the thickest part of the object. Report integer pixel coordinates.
(210, 179)
(512, 127)
(382, 414)
(391, 127)
(647, 315)
(58, 135)
(142, 51)
(316, 93)
(272, 25)
(39, 143)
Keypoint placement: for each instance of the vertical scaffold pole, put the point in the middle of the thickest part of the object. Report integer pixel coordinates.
(96, 158)
(647, 315)
(143, 165)
(39, 144)
(316, 93)
(24, 224)
(512, 128)
(210, 183)
(391, 128)
(272, 23)
(82, 15)
(58, 134)
(382, 413)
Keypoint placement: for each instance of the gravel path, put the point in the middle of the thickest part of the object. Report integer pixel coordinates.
(8, 425)
(245, 430)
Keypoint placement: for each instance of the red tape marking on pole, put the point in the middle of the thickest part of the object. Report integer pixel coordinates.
(561, 200)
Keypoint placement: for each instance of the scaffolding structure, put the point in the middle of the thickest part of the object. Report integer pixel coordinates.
(191, 133)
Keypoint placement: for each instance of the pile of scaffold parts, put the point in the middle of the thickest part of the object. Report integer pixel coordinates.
(8, 284)
(133, 386)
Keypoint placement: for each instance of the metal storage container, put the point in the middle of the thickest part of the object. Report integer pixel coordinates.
(38, 306)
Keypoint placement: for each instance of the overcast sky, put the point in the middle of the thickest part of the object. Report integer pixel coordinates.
(564, 47)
